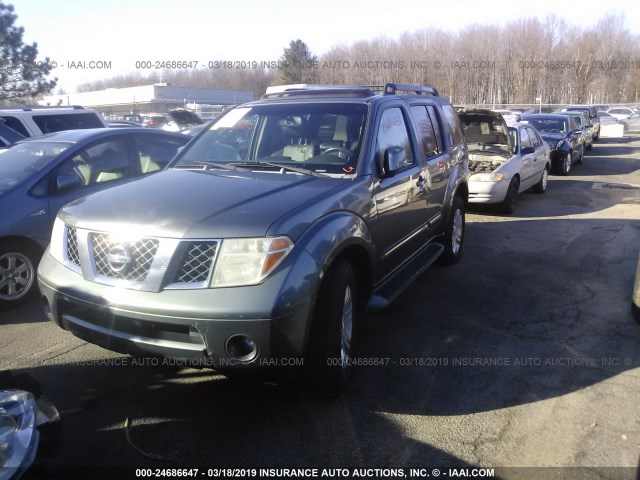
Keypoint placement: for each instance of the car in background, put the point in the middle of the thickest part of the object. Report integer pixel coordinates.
(155, 121)
(509, 115)
(602, 108)
(40, 175)
(593, 116)
(564, 137)
(588, 130)
(503, 161)
(622, 113)
(32, 121)
(607, 119)
(123, 124)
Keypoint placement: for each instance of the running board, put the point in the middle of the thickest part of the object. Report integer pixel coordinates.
(401, 279)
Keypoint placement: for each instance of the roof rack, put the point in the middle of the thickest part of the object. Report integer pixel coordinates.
(392, 89)
(303, 89)
(299, 90)
(42, 107)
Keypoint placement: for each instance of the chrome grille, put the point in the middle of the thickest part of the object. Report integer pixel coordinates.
(72, 246)
(196, 262)
(142, 253)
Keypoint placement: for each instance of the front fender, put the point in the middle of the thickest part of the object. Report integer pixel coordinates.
(333, 234)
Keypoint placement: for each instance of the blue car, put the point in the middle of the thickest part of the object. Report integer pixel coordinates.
(41, 174)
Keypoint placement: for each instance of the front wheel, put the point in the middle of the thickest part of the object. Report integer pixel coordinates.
(508, 205)
(18, 265)
(565, 168)
(453, 237)
(327, 365)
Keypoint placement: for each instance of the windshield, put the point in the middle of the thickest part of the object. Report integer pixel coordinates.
(549, 125)
(324, 138)
(23, 160)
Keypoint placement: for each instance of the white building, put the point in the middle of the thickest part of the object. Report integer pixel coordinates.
(158, 98)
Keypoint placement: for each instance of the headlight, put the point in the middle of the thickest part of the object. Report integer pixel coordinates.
(489, 177)
(559, 145)
(248, 261)
(56, 248)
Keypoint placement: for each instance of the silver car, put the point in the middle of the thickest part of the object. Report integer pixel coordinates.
(503, 161)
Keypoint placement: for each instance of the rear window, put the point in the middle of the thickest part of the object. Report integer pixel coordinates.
(57, 123)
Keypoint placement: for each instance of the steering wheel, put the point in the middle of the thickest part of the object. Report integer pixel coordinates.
(344, 153)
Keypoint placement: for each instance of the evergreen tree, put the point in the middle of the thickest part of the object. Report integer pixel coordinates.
(22, 76)
(297, 64)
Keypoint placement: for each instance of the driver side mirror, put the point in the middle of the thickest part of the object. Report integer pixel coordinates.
(394, 159)
(67, 181)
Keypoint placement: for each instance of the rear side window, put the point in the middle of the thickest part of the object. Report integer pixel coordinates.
(534, 137)
(427, 136)
(453, 124)
(15, 124)
(76, 121)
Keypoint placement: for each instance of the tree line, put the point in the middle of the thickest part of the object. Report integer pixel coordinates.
(522, 62)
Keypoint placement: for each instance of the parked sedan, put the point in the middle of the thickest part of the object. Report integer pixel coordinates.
(503, 161)
(622, 113)
(588, 131)
(564, 137)
(41, 174)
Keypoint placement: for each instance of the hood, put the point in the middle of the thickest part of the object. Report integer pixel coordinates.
(184, 118)
(485, 128)
(198, 204)
(552, 139)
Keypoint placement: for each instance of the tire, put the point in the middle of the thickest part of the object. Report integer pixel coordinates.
(541, 186)
(565, 167)
(590, 146)
(328, 362)
(18, 265)
(453, 238)
(508, 205)
(581, 159)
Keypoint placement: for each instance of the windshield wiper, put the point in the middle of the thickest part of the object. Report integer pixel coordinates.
(302, 171)
(203, 163)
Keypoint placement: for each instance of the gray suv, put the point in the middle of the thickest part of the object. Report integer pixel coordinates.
(269, 234)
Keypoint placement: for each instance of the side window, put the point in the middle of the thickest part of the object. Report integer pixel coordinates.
(13, 122)
(535, 139)
(427, 136)
(102, 162)
(453, 124)
(155, 153)
(392, 132)
(524, 138)
(75, 121)
(436, 126)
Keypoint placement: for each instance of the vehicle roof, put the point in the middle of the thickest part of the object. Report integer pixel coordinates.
(303, 93)
(80, 135)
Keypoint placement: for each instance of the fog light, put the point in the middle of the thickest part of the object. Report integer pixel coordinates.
(241, 347)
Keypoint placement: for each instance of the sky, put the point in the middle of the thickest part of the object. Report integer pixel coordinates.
(115, 34)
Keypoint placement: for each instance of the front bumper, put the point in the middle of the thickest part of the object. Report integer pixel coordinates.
(487, 192)
(189, 325)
